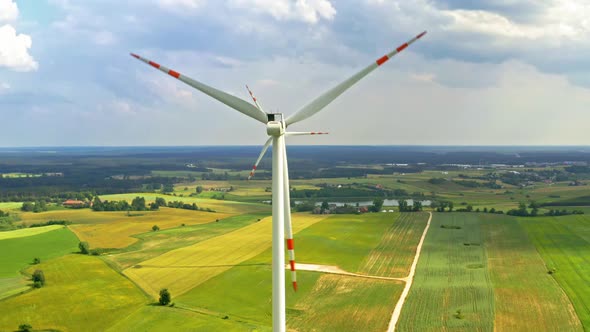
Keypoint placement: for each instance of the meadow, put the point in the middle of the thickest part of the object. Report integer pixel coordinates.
(19, 251)
(81, 293)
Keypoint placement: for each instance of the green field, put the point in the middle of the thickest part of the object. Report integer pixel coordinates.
(81, 293)
(564, 244)
(485, 266)
(323, 302)
(19, 250)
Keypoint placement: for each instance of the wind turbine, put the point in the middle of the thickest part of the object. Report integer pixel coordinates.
(276, 128)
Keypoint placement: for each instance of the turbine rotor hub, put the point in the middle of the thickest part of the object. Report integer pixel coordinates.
(275, 125)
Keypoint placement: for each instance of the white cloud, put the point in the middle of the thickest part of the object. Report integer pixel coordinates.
(14, 50)
(308, 11)
(4, 86)
(8, 11)
(180, 6)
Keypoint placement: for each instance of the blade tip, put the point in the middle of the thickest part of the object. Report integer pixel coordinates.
(134, 55)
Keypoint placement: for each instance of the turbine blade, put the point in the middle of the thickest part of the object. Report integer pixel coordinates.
(254, 99)
(229, 100)
(323, 100)
(288, 227)
(297, 133)
(266, 145)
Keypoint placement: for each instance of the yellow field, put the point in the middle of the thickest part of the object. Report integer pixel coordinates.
(81, 294)
(28, 232)
(78, 216)
(182, 269)
(118, 231)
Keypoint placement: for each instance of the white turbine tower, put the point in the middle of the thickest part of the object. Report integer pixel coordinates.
(276, 128)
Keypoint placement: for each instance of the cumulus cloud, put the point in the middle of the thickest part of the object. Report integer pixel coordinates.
(14, 50)
(180, 6)
(8, 10)
(308, 11)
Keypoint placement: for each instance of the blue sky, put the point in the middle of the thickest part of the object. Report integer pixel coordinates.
(487, 72)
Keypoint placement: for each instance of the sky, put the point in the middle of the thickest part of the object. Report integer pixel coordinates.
(490, 72)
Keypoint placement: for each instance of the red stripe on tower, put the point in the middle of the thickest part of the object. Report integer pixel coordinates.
(290, 245)
(173, 73)
(382, 60)
(401, 48)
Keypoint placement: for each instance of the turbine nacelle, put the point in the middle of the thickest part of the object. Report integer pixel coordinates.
(275, 125)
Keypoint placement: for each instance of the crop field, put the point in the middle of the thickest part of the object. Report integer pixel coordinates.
(477, 263)
(394, 254)
(153, 244)
(526, 296)
(95, 296)
(28, 232)
(450, 276)
(323, 302)
(564, 244)
(176, 269)
(6, 206)
(118, 232)
(19, 251)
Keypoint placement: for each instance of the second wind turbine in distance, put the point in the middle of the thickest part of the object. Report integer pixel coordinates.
(276, 128)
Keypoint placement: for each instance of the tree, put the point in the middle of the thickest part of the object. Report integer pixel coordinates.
(25, 328)
(469, 208)
(84, 247)
(160, 201)
(325, 206)
(27, 207)
(154, 206)
(377, 204)
(417, 206)
(138, 204)
(168, 188)
(403, 205)
(450, 206)
(155, 228)
(199, 189)
(36, 260)
(165, 297)
(38, 279)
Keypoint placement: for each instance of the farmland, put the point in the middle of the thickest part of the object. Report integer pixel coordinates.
(477, 271)
(476, 264)
(564, 244)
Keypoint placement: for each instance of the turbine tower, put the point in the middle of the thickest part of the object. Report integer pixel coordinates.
(276, 128)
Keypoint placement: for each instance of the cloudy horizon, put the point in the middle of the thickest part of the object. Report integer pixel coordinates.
(491, 73)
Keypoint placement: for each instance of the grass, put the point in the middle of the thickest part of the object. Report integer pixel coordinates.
(81, 293)
(28, 232)
(118, 232)
(323, 302)
(7, 206)
(564, 244)
(153, 244)
(175, 269)
(449, 277)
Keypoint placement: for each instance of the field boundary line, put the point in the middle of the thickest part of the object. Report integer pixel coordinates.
(331, 269)
(400, 303)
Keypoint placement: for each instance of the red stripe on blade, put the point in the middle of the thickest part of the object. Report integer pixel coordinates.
(134, 55)
(290, 244)
(292, 265)
(382, 60)
(153, 64)
(254, 167)
(420, 35)
(173, 73)
(295, 285)
(401, 48)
